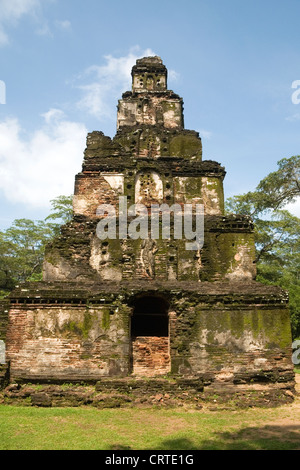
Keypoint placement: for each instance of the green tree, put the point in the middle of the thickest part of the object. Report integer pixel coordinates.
(62, 209)
(276, 230)
(22, 245)
(22, 249)
(7, 263)
(282, 186)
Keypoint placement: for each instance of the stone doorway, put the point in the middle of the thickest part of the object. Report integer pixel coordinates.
(150, 337)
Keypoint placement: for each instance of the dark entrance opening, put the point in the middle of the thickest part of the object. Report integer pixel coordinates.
(150, 353)
(150, 317)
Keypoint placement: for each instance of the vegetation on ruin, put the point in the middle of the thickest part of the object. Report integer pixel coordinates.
(276, 230)
(22, 245)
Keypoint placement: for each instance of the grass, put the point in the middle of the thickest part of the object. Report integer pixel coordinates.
(89, 428)
(28, 428)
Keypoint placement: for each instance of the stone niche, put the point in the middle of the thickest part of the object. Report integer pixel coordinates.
(148, 188)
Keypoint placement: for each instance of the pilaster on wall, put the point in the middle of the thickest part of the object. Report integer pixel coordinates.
(4, 307)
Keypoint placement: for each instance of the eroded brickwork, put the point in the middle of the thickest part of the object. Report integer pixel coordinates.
(67, 342)
(151, 356)
(119, 307)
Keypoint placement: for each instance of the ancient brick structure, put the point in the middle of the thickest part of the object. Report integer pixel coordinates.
(120, 307)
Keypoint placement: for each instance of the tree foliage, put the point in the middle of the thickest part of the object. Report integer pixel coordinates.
(23, 244)
(276, 230)
(62, 210)
(282, 186)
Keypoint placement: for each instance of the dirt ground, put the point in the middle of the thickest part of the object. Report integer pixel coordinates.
(285, 427)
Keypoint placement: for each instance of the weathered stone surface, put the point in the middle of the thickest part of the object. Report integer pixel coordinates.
(79, 255)
(4, 308)
(4, 375)
(41, 399)
(148, 320)
(223, 329)
(139, 392)
(151, 356)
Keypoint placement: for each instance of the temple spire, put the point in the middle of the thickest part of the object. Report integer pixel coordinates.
(149, 74)
(150, 102)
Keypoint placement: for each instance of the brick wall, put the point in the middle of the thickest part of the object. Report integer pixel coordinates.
(150, 356)
(70, 343)
(226, 336)
(90, 192)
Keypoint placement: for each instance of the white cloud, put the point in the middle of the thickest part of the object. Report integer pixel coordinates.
(14, 9)
(53, 114)
(101, 92)
(3, 37)
(173, 75)
(63, 25)
(205, 134)
(294, 207)
(37, 169)
(44, 30)
(293, 117)
(11, 11)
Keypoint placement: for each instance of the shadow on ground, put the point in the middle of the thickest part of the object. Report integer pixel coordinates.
(269, 437)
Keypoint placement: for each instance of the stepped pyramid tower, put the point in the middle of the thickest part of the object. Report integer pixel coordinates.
(147, 306)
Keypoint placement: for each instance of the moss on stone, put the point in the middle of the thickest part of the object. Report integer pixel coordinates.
(184, 145)
(221, 255)
(81, 329)
(213, 193)
(105, 319)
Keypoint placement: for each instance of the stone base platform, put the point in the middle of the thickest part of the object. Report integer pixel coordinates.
(193, 393)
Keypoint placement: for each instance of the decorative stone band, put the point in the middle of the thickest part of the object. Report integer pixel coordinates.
(178, 166)
(219, 294)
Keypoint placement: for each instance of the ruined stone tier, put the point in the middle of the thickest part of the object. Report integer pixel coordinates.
(149, 74)
(150, 102)
(144, 141)
(79, 254)
(222, 333)
(167, 180)
(156, 108)
(113, 168)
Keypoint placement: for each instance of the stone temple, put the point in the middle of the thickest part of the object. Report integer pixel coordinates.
(125, 307)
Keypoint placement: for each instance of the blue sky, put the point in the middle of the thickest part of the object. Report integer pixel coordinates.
(65, 63)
